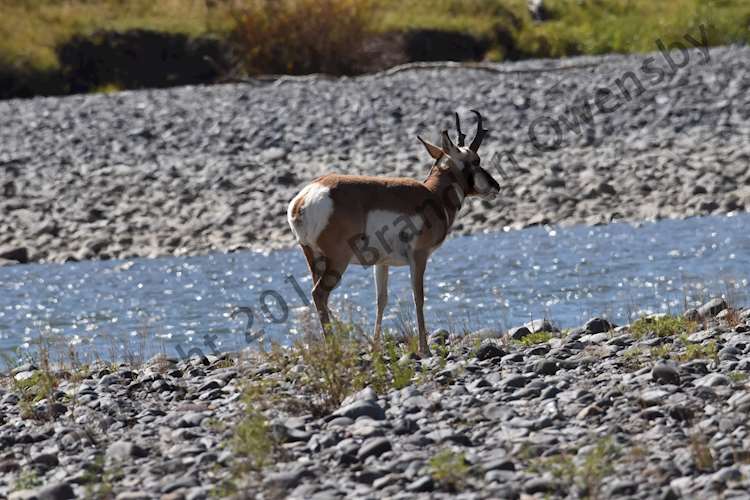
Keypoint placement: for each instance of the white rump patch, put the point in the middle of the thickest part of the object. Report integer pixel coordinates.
(315, 212)
(391, 236)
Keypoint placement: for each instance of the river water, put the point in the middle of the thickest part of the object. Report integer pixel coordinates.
(495, 280)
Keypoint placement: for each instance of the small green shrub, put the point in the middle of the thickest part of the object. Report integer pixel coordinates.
(535, 338)
(663, 326)
(338, 365)
(333, 365)
(587, 472)
(28, 479)
(41, 385)
(449, 469)
(699, 351)
(38, 386)
(632, 359)
(253, 441)
(401, 373)
(661, 351)
(98, 480)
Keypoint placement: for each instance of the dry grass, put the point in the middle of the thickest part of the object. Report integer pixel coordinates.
(301, 36)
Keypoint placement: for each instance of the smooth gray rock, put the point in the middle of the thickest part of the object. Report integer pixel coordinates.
(712, 308)
(121, 451)
(518, 332)
(489, 351)
(540, 325)
(423, 484)
(665, 373)
(361, 408)
(540, 485)
(133, 495)
(57, 491)
(440, 336)
(598, 325)
(713, 380)
(373, 447)
(546, 367)
(286, 479)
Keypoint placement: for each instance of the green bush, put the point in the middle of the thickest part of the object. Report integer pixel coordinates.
(534, 339)
(662, 326)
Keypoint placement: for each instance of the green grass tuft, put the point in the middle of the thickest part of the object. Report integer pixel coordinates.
(27, 480)
(449, 469)
(662, 326)
(253, 441)
(535, 338)
(632, 359)
(588, 471)
(699, 351)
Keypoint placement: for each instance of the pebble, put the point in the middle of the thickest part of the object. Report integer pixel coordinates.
(373, 447)
(489, 351)
(364, 408)
(121, 451)
(712, 308)
(598, 325)
(665, 373)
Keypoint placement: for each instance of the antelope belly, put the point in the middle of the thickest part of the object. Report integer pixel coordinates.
(389, 238)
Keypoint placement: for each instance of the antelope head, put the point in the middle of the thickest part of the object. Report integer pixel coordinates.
(463, 162)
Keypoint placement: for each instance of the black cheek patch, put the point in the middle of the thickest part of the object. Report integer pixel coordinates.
(470, 180)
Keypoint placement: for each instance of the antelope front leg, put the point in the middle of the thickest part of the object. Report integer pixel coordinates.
(381, 289)
(417, 267)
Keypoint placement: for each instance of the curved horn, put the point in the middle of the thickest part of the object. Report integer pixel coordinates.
(481, 132)
(461, 137)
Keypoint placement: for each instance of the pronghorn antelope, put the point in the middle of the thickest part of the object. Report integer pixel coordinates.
(385, 221)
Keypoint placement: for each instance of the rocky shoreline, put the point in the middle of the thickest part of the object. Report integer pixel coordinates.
(655, 409)
(192, 170)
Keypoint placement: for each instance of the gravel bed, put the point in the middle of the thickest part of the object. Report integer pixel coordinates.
(600, 411)
(191, 170)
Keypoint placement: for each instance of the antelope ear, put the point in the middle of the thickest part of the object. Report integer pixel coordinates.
(433, 150)
(448, 146)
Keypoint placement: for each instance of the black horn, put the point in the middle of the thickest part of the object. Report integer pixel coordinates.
(461, 136)
(481, 132)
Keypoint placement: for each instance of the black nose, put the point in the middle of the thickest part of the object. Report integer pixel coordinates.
(494, 183)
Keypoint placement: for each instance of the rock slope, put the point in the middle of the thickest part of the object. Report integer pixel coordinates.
(196, 169)
(599, 411)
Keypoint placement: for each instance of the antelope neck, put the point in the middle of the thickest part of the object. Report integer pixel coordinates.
(445, 184)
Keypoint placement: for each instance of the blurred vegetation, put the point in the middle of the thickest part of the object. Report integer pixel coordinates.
(575, 27)
(301, 36)
(30, 30)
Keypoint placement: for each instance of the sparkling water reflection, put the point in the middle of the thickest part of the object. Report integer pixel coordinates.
(492, 280)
